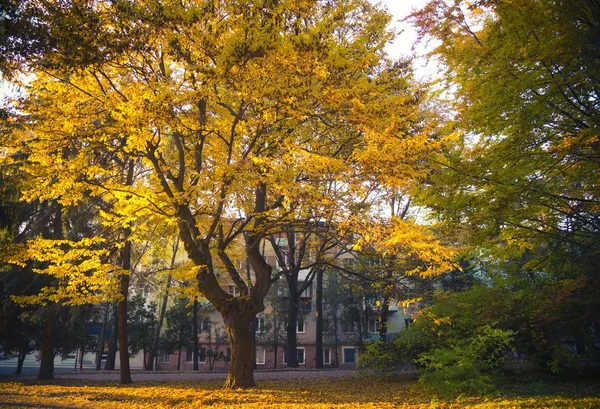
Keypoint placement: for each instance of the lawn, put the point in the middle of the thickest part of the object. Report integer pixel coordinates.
(351, 392)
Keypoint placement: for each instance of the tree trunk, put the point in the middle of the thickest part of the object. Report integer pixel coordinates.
(319, 317)
(81, 360)
(179, 358)
(276, 340)
(335, 335)
(241, 368)
(292, 322)
(125, 257)
(47, 359)
(161, 318)
(195, 344)
(101, 341)
(111, 354)
(125, 372)
(21, 360)
(383, 314)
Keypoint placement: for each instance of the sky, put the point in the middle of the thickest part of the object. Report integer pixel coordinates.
(407, 36)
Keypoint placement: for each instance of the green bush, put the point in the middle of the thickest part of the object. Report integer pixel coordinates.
(468, 367)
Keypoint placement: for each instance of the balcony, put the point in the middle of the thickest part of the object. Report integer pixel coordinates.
(305, 304)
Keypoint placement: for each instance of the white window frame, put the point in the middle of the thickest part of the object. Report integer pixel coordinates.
(344, 355)
(303, 356)
(373, 324)
(259, 361)
(300, 319)
(161, 356)
(260, 325)
(327, 355)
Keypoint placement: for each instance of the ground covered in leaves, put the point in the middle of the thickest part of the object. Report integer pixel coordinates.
(349, 392)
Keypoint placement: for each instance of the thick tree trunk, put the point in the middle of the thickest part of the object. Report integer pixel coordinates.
(195, 344)
(21, 360)
(319, 317)
(383, 315)
(101, 341)
(241, 368)
(292, 322)
(125, 372)
(47, 353)
(125, 256)
(111, 354)
(161, 318)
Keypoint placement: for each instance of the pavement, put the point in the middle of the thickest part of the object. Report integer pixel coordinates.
(163, 376)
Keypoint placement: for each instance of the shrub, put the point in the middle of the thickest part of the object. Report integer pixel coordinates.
(468, 367)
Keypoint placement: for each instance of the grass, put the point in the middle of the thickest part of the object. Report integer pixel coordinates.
(340, 393)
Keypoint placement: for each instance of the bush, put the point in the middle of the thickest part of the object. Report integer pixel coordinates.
(468, 367)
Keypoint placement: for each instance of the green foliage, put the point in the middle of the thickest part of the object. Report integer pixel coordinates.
(141, 323)
(467, 367)
(520, 189)
(179, 326)
(404, 350)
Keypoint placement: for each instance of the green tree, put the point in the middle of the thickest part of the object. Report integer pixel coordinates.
(178, 333)
(142, 323)
(522, 184)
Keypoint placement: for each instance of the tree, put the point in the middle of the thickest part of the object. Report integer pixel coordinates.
(141, 325)
(522, 182)
(231, 115)
(179, 328)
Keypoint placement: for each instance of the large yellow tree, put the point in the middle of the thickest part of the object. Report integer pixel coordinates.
(222, 118)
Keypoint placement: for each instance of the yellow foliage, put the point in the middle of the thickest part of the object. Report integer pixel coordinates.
(341, 393)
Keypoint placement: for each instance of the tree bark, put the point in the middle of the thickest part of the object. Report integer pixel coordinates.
(383, 313)
(195, 344)
(292, 322)
(125, 372)
(319, 317)
(47, 353)
(101, 341)
(125, 261)
(111, 354)
(21, 360)
(239, 330)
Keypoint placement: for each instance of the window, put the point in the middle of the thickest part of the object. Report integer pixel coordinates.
(203, 324)
(260, 325)
(299, 355)
(300, 325)
(373, 325)
(349, 355)
(233, 290)
(347, 326)
(326, 356)
(227, 354)
(189, 354)
(163, 357)
(260, 356)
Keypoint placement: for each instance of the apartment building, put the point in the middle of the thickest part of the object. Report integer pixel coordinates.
(343, 334)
